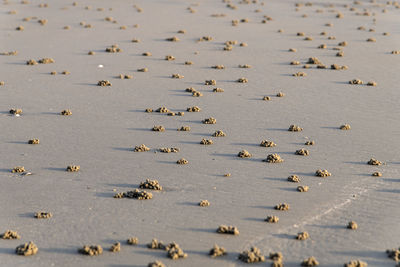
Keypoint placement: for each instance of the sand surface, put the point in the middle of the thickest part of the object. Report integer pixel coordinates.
(108, 122)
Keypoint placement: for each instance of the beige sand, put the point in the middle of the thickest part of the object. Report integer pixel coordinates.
(107, 122)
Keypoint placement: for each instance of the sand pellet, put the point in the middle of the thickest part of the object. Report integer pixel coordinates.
(225, 229)
(18, 169)
(27, 249)
(322, 173)
(156, 264)
(356, 263)
(73, 168)
(252, 255)
(217, 251)
(158, 128)
(10, 234)
(43, 215)
(150, 184)
(132, 241)
(182, 161)
(116, 247)
(302, 188)
(282, 206)
(204, 203)
(295, 128)
(345, 127)
(267, 143)
(244, 154)
(141, 148)
(302, 152)
(272, 219)
(91, 250)
(294, 178)
(273, 158)
(137, 194)
(309, 262)
(352, 225)
(302, 236)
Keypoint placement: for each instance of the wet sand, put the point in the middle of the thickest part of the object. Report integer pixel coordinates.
(107, 122)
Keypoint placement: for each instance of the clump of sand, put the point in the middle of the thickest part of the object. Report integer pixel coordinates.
(156, 264)
(155, 244)
(218, 90)
(158, 128)
(210, 82)
(302, 188)
(104, 83)
(15, 111)
(150, 184)
(162, 110)
(273, 158)
(217, 251)
(169, 150)
(113, 49)
(204, 203)
(267, 143)
(27, 249)
(141, 148)
(31, 62)
(356, 263)
(175, 252)
(219, 133)
(302, 236)
(309, 143)
(193, 109)
(322, 173)
(206, 142)
(18, 169)
(302, 152)
(294, 178)
(116, 247)
(73, 168)
(378, 174)
(210, 120)
(352, 225)
(339, 67)
(311, 261)
(184, 129)
(244, 154)
(91, 250)
(43, 215)
(182, 161)
(137, 194)
(280, 94)
(345, 127)
(272, 219)
(66, 112)
(132, 241)
(46, 61)
(394, 254)
(177, 76)
(225, 229)
(10, 234)
(242, 80)
(295, 128)
(252, 255)
(373, 161)
(299, 74)
(355, 81)
(314, 60)
(282, 206)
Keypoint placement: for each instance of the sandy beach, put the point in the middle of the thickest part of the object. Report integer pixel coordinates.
(203, 40)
